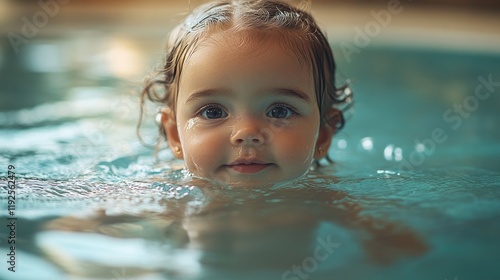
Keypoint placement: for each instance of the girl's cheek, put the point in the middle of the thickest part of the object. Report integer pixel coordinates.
(298, 147)
(297, 150)
(202, 148)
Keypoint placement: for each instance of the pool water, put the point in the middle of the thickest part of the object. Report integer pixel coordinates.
(414, 192)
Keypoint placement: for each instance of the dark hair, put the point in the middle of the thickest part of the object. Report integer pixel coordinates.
(294, 26)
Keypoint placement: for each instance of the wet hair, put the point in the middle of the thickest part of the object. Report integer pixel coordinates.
(292, 26)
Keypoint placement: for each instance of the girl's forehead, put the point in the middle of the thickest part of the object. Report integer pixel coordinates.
(246, 51)
(253, 42)
(256, 65)
(257, 60)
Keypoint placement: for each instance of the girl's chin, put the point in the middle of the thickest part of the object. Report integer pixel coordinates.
(228, 181)
(244, 183)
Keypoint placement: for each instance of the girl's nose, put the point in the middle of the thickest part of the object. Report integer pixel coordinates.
(248, 133)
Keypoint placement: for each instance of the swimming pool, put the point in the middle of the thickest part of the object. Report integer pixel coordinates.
(414, 192)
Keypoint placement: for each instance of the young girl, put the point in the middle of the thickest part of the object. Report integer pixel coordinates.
(249, 99)
(248, 93)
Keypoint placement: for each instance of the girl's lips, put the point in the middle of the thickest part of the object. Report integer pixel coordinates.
(249, 168)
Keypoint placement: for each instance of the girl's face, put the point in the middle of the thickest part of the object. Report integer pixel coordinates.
(246, 114)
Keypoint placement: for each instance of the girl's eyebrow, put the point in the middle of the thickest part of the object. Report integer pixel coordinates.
(221, 92)
(207, 93)
(292, 93)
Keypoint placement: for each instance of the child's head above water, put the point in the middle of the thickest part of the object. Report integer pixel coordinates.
(248, 92)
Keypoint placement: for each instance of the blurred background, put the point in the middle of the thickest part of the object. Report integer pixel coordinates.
(71, 70)
(50, 49)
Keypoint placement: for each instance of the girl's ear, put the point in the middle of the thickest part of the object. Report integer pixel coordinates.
(170, 126)
(325, 135)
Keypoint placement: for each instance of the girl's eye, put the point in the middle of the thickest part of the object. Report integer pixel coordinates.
(280, 112)
(213, 113)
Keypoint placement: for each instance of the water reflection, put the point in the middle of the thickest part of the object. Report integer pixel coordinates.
(302, 229)
(393, 153)
(367, 143)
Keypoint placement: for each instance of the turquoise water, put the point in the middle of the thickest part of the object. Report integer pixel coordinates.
(414, 192)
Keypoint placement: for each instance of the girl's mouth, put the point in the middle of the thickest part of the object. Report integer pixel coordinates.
(249, 168)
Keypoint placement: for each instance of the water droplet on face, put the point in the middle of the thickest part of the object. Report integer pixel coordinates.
(190, 124)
